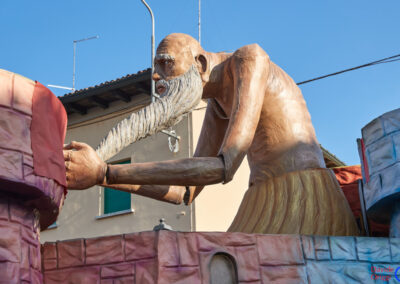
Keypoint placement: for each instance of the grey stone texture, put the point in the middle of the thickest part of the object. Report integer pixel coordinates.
(373, 249)
(382, 152)
(343, 248)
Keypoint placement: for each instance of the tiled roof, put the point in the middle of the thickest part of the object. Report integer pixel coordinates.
(101, 95)
(107, 83)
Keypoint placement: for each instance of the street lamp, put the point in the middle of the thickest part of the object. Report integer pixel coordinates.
(152, 50)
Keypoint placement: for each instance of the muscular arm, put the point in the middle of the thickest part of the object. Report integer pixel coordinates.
(191, 171)
(250, 68)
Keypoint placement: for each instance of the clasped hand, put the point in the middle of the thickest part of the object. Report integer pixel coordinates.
(84, 168)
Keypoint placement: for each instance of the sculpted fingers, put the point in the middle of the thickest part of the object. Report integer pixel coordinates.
(71, 183)
(67, 155)
(75, 145)
(67, 146)
(71, 175)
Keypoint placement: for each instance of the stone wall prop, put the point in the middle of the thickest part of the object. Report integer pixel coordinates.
(184, 257)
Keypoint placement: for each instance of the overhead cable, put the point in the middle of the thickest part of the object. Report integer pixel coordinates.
(380, 61)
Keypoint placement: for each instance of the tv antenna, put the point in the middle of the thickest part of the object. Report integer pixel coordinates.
(74, 65)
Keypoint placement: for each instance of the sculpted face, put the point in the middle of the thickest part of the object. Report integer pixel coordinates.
(176, 54)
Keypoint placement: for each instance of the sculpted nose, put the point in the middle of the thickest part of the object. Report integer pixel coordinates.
(156, 77)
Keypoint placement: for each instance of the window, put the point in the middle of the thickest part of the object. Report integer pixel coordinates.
(116, 200)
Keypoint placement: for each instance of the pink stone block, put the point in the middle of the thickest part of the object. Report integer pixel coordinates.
(140, 245)
(188, 252)
(247, 263)
(279, 249)
(210, 241)
(36, 277)
(146, 272)
(25, 274)
(34, 257)
(49, 250)
(49, 264)
(6, 87)
(168, 254)
(284, 274)
(106, 281)
(25, 262)
(71, 253)
(10, 242)
(29, 175)
(11, 165)
(179, 275)
(239, 239)
(9, 272)
(16, 126)
(117, 270)
(4, 208)
(23, 93)
(49, 256)
(104, 250)
(30, 235)
(124, 280)
(84, 275)
(22, 215)
(28, 160)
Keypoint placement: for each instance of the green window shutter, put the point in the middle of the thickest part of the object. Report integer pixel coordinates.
(116, 200)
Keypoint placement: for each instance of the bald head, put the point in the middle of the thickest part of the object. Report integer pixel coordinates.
(180, 44)
(176, 53)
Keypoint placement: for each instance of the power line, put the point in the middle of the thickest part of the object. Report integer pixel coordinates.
(380, 61)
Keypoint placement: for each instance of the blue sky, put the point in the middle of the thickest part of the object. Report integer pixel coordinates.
(306, 38)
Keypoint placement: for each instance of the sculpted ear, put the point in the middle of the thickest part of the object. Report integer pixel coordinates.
(202, 66)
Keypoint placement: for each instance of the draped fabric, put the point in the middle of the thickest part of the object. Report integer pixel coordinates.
(48, 128)
(308, 202)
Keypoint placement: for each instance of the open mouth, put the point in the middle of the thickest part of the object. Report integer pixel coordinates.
(160, 88)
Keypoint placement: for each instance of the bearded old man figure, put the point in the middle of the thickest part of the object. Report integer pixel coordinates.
(255, 109)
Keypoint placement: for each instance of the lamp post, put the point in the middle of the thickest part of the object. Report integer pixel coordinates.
(75, 42)
(152, 50)
(199, 22)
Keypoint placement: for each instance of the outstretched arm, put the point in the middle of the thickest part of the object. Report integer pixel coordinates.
(85, 169)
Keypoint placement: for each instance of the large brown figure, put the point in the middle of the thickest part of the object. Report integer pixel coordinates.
(254, 109)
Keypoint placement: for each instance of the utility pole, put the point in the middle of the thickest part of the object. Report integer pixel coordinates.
(152, 50)
(200, 22)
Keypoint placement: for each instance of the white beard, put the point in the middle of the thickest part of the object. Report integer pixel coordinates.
(181, 96)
